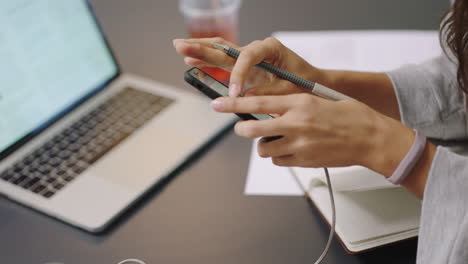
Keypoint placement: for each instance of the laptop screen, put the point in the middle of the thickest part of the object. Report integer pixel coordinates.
(53, 56)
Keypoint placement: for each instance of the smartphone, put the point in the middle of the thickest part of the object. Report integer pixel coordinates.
(214, 89)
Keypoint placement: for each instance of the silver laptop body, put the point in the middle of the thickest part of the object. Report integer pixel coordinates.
(79, 140)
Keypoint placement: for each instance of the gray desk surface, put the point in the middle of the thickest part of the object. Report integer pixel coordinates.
(201, 215)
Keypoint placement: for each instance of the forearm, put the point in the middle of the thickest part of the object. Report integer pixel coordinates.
(392, 142)
(373, 89)
(393, 139)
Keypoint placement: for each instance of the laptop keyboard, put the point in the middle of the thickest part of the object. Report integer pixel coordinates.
(59, 161)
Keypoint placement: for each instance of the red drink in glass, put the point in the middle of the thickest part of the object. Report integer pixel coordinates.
(214, 27)
(212, 18)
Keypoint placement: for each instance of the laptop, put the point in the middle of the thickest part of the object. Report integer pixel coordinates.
(80, 140)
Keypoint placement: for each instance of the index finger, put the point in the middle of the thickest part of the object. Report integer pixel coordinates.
(252, 105)
(250, 55)
(202, 49)
(210, 41)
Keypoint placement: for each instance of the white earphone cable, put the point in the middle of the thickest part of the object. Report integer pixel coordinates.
(332, 201)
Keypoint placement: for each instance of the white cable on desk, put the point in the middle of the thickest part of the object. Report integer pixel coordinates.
(332, 201)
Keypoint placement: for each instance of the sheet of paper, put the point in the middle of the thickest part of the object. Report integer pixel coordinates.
(265, 178)
(380, 50)
(358, 50)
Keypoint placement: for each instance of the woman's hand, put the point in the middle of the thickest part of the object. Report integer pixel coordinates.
(200, 53)
(316, 132)
(321, 133)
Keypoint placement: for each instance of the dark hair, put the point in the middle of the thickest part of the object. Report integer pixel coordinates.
(455, 28)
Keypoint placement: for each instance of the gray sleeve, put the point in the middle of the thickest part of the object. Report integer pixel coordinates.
(429, 98)
(443, 234)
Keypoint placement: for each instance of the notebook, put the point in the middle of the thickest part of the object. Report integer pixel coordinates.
(371, 212)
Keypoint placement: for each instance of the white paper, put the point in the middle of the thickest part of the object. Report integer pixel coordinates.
(359, 50)
(346, 50)
(265, 178)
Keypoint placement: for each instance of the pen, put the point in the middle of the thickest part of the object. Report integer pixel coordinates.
(313, 87)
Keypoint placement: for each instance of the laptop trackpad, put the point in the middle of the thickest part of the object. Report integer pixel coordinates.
(147, 155)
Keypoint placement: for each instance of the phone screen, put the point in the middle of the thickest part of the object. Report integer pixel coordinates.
(209, 81)
(216, 86)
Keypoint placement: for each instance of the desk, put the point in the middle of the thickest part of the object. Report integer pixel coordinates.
(201, 215)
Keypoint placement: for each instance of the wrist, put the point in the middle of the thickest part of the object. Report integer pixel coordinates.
(314, 74)
(416, 180)
(327, 78)
(389, 145)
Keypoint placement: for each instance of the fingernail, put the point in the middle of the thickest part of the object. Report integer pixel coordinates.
(233, 90)
(218, 104)
(174, 41)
